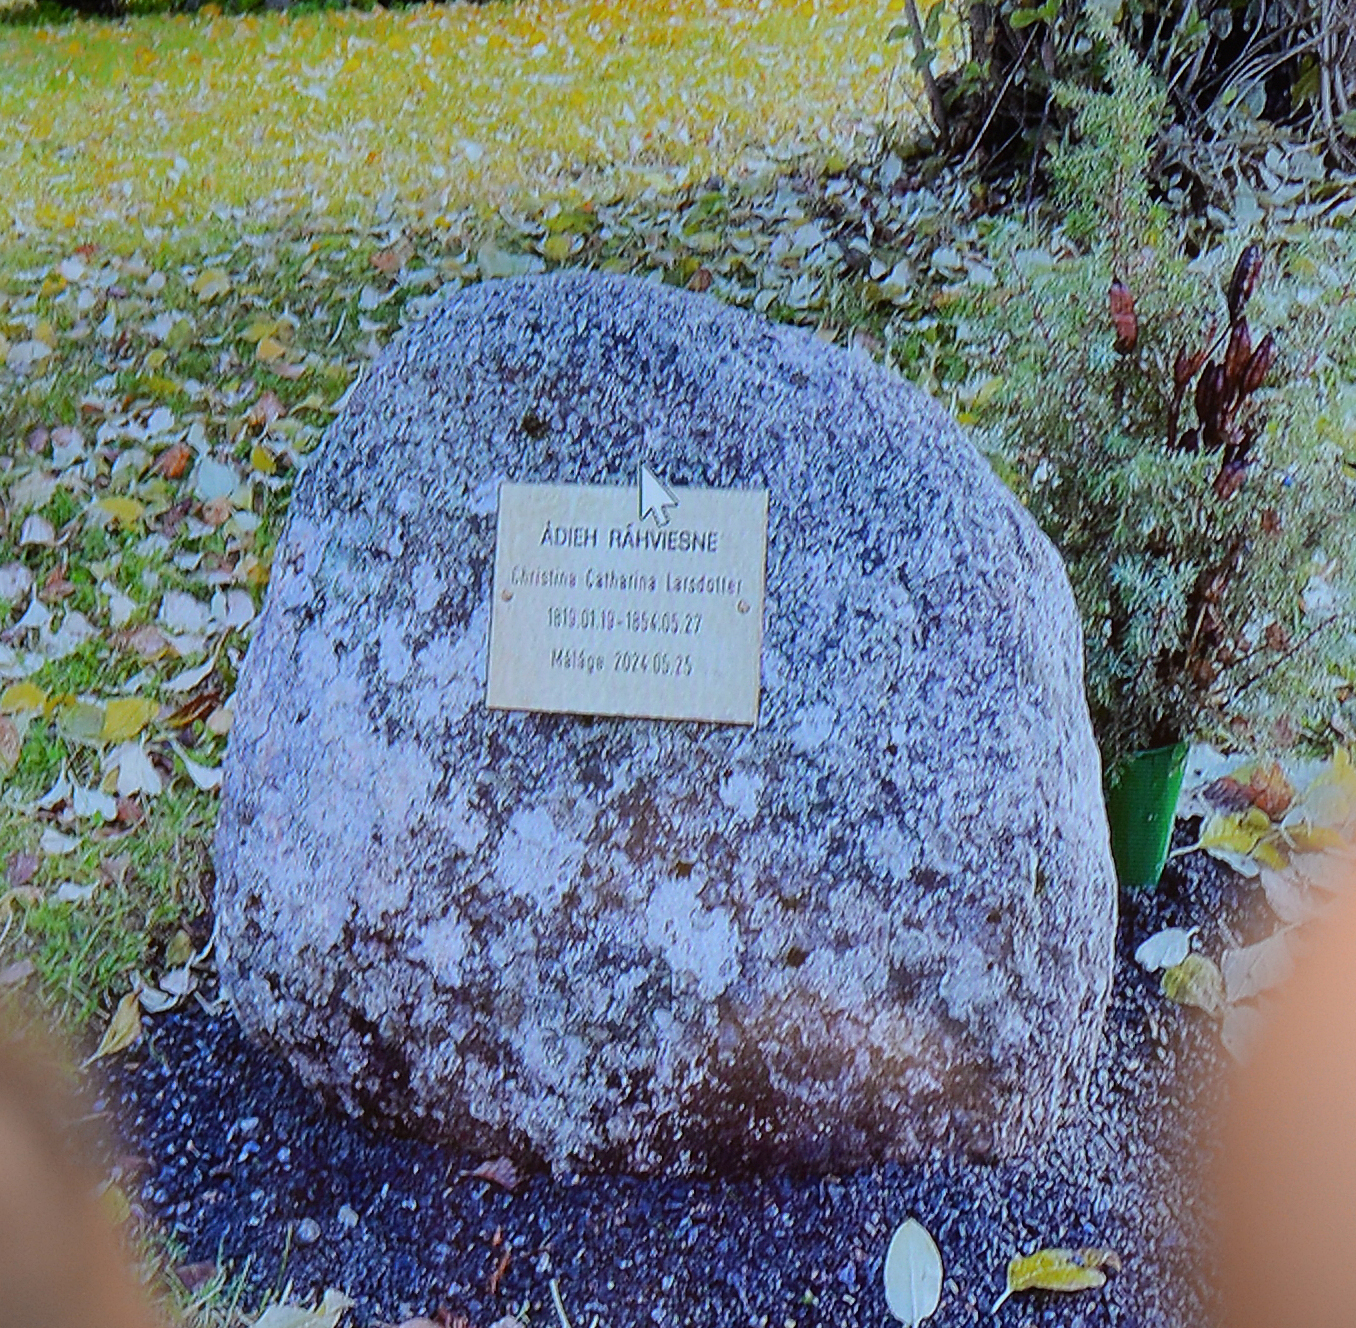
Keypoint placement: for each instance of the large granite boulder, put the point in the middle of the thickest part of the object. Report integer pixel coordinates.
(878, 924)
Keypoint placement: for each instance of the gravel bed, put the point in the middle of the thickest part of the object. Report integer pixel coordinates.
(244, 1165)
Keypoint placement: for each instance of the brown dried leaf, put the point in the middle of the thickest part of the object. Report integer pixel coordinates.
(173, 461)
(266, 409)
(499, 1171)
(1123, 317)
(21, 869)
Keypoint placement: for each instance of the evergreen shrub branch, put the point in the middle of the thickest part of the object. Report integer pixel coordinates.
(1197, 478)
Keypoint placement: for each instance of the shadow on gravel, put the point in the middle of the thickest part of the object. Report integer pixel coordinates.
(241, 1163)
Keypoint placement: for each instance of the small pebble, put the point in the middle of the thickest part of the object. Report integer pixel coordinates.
(348, 1219)
(308, 1231)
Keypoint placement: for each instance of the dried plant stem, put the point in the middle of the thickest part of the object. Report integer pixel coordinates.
(935, 100)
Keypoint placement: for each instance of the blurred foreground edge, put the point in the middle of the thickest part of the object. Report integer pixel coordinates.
(1287, 1185)
(61, 1264)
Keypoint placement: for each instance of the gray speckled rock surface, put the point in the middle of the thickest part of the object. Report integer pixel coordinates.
(879, 924)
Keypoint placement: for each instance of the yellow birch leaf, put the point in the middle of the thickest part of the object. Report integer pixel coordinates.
(125, 511)
(259, 329)
(1058, 1270)
(1304, 837)
(262, 460)
(269, 349)
(123, 1029)
(210, 283)
(1236, 833)
(21, 696)
(125, 717)
(556, 247)
(1195, 981)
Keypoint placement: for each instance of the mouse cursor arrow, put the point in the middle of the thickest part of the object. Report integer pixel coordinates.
(654, 497)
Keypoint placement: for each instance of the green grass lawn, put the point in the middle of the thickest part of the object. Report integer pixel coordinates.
(421, 112)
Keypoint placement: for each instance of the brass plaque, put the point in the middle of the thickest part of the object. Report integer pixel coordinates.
(644, 601)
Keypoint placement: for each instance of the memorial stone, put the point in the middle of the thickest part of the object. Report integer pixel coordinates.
(846, 897)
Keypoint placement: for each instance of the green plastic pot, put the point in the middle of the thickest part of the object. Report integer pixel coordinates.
(1141, 802)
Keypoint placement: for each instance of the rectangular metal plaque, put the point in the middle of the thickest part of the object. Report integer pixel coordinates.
(600, 610)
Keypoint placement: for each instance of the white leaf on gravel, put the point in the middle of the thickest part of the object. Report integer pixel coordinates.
(327, 1315)
(136, 774)
(180, 612)
(1239, 1031)
(1164, 949)
(57, 844)
(70, 893)
(91, 802)
(37, 530)
(214, 480)
(1257, 968)
(15, 582)
(1288, 895)
(153, 1000)
(178, 982)
(913, 1274)
(206, 777)
(190, 678)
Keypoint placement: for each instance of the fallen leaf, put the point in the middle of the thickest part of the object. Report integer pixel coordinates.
(19, 971)
(173, 461)
(148, 642)
(1269, 790)
(123, 511)
(21, 696)
(211, 283)
(327, 1314)
(37, 530)
(179, 950)
(205, 777)
(1058, 1270)
(123, 1029)
(57, 845)
(80, 721)
(1196, 981)
(126, 716)
(195, 1276)
(266, 410)
(21, 869)
(499, 1171)
(262, 460)
(913, 1274)
(136, 774)
(1164, 949)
